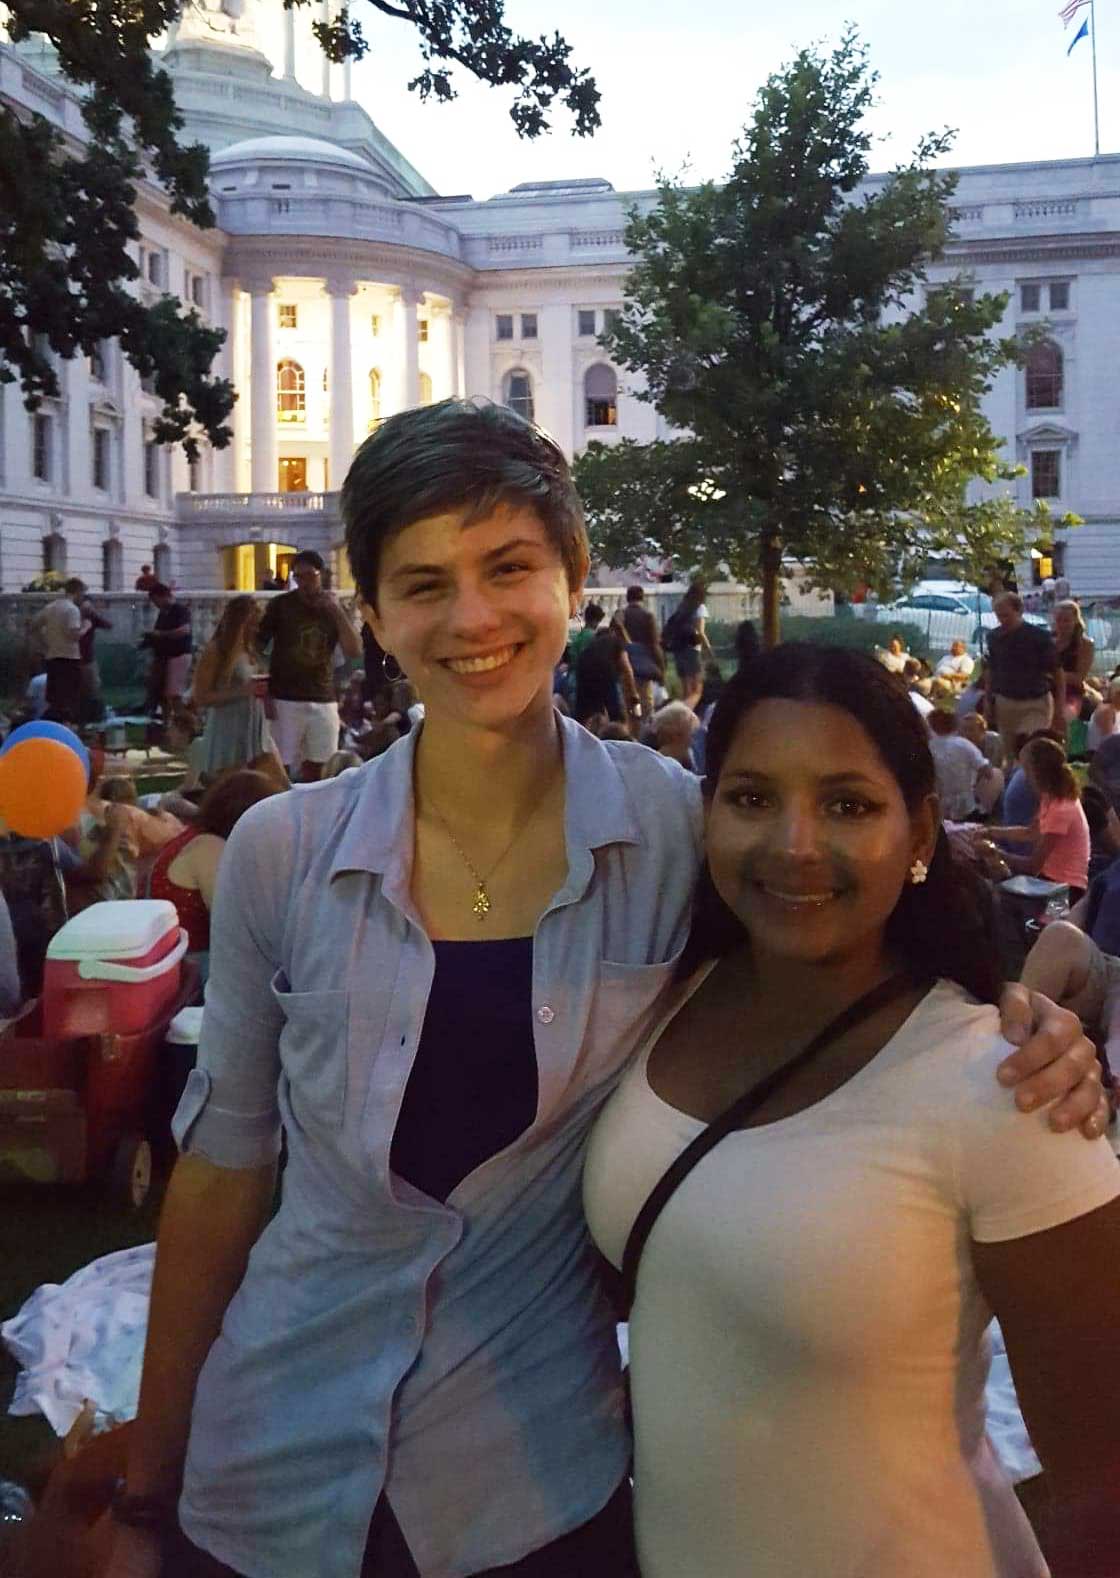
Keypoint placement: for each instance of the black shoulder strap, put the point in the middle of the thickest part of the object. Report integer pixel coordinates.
(736, 1115)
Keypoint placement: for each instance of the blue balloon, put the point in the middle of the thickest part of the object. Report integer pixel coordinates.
(44, 730)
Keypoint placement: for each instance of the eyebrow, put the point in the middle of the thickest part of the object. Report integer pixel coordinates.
(515, 544)
(830, 781)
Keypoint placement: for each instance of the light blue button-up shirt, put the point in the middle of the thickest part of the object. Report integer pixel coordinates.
(460, 1356)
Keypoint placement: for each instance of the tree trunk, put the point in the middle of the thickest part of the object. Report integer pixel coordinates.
(770, 564)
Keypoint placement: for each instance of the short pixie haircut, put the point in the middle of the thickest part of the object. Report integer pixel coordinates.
(457, 455)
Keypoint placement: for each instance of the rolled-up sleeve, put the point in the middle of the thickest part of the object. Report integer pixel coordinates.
(229, 1112)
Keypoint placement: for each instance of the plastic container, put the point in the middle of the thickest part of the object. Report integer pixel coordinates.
(113, 969)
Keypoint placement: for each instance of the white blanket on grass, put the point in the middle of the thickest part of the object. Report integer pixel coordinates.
(84, 1338)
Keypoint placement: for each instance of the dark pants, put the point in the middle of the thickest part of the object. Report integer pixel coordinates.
(64, 688)
(602, 1548)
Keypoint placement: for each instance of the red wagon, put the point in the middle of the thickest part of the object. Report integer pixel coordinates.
(85, 1107)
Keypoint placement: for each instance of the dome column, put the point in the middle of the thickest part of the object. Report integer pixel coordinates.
(443, 348)
(409, 346)
(340, 288)
(264, 467)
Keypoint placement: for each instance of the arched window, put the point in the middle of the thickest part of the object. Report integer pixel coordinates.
(291, 393)
(425, 389)
(374, 397)
(600, 396)
(1044, 377)
(518, 394)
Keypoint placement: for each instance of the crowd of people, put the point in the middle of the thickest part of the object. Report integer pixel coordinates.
(696, 1004)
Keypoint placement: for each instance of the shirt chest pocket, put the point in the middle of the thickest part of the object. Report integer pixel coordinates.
(626, 1000)
(313, 1050)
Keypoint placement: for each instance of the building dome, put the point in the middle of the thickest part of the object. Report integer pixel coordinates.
(289, 150)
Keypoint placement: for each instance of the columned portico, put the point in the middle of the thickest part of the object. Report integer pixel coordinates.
(445, 383)
(340, 288)
(262, 386)
(409, 345)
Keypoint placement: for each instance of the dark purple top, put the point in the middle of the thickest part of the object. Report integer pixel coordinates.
(473, 1087)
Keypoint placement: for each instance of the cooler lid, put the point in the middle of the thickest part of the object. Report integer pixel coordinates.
(115, 929)
(1025, 887)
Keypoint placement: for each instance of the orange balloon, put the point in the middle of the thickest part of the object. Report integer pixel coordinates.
(42, 788)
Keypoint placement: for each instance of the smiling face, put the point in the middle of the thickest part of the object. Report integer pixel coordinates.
(476, 615)
(1065, 622)
(809, 839)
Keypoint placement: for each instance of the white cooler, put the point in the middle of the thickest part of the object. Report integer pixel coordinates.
(113, 969)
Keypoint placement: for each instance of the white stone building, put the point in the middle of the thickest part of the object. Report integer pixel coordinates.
(350, 289)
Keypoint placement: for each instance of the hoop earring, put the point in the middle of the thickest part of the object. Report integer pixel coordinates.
(919, 871)
(392, 678)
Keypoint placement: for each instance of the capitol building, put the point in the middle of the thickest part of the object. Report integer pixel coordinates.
(350, 289)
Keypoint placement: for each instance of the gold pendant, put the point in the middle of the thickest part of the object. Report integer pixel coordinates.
(481, 905)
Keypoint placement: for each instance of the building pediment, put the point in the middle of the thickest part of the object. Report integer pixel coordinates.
(1047, 433)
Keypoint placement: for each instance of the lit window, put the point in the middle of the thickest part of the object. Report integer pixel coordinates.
(288, 315)
(586, 322)
(528, 325)
(375, 323)
(41, 447)
(374, 397)
(600, 391)
(1030, 297)
(422, 330)
(151, 468)
(1059, 296)
(100, 458)
(519, 394)
(1044, 377)
(1046, 474)
(425, 389)
(503, 325)
(291, 400)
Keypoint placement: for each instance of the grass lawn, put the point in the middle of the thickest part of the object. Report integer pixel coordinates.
(46, 1234)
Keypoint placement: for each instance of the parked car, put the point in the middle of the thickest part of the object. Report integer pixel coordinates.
(947, 611)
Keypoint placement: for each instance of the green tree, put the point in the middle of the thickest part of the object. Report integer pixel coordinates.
(67, 216)
(823, 416)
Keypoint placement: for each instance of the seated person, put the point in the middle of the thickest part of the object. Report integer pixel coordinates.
(956, 666)
(186, 869)
(1104, 830)
(1058, 838)
(972, 726)
(1104, 720)
(671, 732)
(967, 785)
(116, 842)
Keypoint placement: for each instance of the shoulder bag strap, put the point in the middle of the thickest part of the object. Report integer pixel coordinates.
(735, 1117)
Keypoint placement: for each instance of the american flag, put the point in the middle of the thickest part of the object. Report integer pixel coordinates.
(1071, 8)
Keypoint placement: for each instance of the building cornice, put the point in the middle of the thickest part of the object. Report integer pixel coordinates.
(1035, 249)
(317, 257)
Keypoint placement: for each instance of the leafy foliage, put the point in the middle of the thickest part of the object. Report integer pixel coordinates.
(824, 416)
(473, 34)
(67, 217)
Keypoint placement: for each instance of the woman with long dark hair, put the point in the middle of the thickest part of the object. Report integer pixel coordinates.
(236, 727)
(810, 1298)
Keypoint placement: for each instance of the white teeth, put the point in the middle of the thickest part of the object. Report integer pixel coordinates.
(479, 665)
(798, 898)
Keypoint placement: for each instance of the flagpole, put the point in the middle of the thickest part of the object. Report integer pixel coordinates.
(1096, 107)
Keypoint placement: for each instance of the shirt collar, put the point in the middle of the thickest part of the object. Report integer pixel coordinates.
(379, 829)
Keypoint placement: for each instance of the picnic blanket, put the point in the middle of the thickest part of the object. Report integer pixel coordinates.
(84, 1338)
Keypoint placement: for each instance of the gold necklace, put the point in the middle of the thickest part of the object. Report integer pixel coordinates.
(483, 904)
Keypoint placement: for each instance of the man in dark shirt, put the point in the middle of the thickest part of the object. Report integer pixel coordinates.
(1022, 677)
(303, 628)
(644, 650)
(170, 644)
(92, 706)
